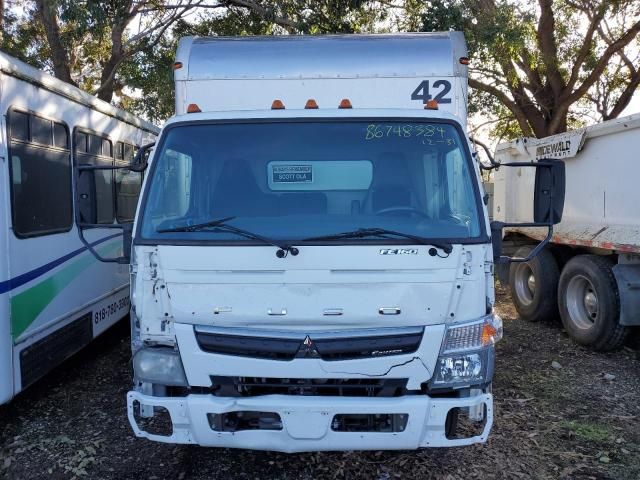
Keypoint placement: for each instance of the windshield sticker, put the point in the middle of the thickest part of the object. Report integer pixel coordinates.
(292, 174)
(430, 134)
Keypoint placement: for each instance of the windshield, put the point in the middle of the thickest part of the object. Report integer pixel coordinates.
(299, 181)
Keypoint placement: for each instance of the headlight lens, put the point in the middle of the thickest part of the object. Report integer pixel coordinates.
(466, 356)
(470, 336)
(159, 365)
(467, 368)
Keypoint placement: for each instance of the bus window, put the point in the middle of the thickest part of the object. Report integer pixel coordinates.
(98, 152)
(40, 177)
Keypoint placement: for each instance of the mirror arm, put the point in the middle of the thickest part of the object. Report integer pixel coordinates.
(536, 249)
(494, 164)
(120, 260)
(82, 226)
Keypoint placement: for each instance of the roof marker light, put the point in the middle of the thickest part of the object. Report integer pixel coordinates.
(311, 104)
(177, 65)
(345, 103)
(277, 105)
(193, 108)
(464, 60)
(431, 105)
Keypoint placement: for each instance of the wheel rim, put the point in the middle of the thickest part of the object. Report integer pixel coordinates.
(582, 302)
(525, 283)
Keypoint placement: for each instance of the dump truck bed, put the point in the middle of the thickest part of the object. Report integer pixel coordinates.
(602, 202)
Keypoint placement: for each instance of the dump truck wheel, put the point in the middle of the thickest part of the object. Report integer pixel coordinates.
(534, 285)
(590, 303)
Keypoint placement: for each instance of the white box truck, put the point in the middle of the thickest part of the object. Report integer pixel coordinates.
(589, 275)
(312, 266)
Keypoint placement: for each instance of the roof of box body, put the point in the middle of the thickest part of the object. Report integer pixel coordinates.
(322, 56)
(15, 68)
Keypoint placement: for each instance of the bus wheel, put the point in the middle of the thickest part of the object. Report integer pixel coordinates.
(534, 285)
(589, 303)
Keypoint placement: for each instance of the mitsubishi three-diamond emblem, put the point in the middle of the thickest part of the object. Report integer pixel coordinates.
(307, 349)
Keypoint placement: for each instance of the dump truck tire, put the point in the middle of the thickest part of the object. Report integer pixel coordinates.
(590, 303)
(534, 285)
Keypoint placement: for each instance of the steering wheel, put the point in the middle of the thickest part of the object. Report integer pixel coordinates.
(409, 210)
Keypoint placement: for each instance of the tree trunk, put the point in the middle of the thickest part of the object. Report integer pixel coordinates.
(47, 12)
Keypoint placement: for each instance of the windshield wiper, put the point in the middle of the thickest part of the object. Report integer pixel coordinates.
(384, 233)
(220, 225)
(196, 227)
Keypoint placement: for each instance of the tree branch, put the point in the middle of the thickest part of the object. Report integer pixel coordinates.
(507, 102)
(614, 47)
(625, 97)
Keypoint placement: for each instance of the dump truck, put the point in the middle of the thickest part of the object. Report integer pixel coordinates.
(311, 261)
(589, 274)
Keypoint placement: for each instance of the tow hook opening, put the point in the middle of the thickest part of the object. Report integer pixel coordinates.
(370, 422)
(244, 420)
(465, 422)
(152, 419)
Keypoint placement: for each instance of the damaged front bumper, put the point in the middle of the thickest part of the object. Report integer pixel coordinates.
(307, 423)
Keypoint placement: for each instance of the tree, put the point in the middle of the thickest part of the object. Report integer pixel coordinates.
(149, 71)
(545, 63)
(88, 42)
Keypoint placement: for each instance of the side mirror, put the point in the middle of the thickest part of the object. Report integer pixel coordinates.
(548, 199)
(141, 160)
(127, 235)
(548, 206)
(87, 209)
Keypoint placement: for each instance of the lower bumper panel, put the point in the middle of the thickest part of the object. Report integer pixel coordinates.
(307, 421)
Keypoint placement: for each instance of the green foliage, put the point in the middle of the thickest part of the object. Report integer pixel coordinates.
(149, 72)
(506, 40)
(23, 38)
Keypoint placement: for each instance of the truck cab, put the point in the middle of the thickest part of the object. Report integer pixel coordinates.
(312, 266)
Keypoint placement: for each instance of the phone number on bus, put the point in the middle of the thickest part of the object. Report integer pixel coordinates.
(111, 309)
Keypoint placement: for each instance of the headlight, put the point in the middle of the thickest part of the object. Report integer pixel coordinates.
(474, 335)
(463, 369)
(466, 356)
(159, 365)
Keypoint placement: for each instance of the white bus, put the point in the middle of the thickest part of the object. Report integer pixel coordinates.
(55, 296)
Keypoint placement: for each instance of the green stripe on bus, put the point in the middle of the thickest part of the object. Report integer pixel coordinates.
(27, 305)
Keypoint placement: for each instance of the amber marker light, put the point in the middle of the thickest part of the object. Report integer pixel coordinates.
(177, 65)
(489, 334)
(345, 103)
(311, 104)
(464, 60)
(431, 105)
(193, 108)
(277, 105)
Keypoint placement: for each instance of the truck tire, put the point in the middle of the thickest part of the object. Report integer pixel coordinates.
(534, 285)
(590, 304)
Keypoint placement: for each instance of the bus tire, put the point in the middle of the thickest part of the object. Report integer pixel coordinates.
(534, 285)
(590, 303)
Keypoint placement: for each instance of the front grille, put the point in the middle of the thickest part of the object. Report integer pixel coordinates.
(243, 346)
(353, 348)
(337, 387)
(329, 347)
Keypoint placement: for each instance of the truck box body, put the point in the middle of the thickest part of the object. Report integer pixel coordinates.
(290, 323)
(373, 71)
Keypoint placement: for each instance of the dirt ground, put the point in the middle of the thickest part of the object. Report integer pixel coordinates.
(561, 412)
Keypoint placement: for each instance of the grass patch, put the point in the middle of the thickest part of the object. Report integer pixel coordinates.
(588, 431)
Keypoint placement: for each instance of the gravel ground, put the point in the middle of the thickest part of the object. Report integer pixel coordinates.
(561, 412)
